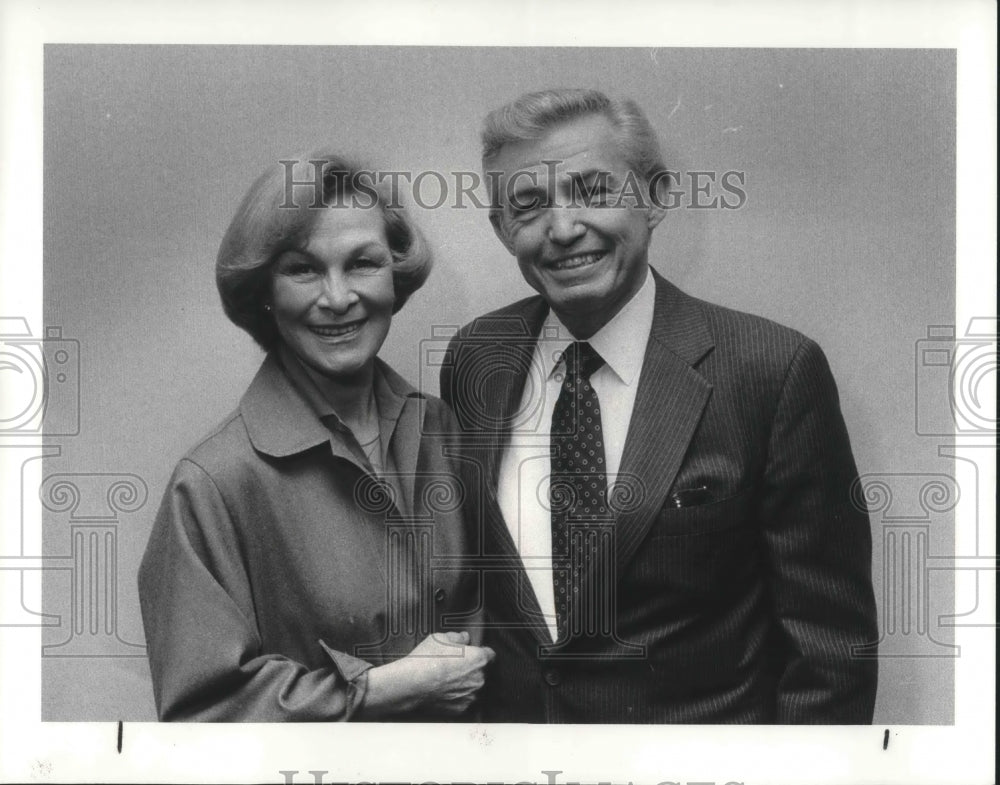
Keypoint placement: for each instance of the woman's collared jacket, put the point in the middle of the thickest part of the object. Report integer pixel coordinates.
(280, 568)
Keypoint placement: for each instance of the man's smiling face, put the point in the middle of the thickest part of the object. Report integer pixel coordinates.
(570, 216)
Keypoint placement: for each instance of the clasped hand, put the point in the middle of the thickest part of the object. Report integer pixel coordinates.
(441, 675)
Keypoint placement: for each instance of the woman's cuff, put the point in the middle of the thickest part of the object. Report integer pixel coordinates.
(354, 672)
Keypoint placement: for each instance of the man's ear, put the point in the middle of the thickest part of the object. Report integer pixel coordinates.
(496, 218)
(655, 215)
(657, 207)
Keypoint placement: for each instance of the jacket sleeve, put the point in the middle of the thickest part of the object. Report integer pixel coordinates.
(205, 651)
(818, 547)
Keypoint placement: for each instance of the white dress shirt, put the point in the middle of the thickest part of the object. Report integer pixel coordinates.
(523, 486)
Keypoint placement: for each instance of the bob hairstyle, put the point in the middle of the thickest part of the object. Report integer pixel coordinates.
(532, 115)
(278, 214)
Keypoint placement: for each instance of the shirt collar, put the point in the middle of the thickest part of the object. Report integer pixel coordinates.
(621, 342)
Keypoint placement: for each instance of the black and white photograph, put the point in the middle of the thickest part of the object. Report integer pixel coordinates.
(536, 406)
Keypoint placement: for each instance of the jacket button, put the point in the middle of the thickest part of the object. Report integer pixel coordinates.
(552, 678)
(440, 594)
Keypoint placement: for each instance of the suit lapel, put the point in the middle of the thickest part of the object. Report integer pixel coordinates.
(516, 358)
(503, 367)
(507, 362)
(669, 404)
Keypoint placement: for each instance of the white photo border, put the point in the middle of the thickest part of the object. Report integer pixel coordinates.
(64, 752)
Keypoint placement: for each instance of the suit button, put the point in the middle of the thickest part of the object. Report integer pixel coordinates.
(440, 594)
(552, 678)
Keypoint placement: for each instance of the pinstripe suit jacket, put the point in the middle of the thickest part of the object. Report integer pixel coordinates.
(737, 572)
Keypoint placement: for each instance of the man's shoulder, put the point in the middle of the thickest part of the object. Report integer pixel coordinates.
(750, 360)
(519, 319)
(729, 324)
(741, 342)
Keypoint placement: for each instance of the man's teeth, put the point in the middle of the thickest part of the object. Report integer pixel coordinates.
(577, 261)
(333, 332)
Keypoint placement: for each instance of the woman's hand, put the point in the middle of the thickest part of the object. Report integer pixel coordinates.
(441, 675)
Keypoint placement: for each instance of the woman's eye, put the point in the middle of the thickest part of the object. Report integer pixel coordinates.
(370, 262)
(298, 269)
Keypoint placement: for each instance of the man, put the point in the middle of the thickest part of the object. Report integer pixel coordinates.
(668, 530)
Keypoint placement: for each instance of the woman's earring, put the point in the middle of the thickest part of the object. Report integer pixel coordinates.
(267, 307)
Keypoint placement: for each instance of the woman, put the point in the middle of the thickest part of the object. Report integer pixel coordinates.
(288, 574)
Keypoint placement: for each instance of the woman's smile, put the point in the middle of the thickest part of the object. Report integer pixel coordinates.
(336, 332)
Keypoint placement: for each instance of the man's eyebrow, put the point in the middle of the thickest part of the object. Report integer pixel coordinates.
(587, 175)
(527, 188)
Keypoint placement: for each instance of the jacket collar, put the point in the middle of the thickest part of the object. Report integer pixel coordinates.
(281, 421)
(679, 323)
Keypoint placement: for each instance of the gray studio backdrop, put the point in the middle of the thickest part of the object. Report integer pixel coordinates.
(846, 233)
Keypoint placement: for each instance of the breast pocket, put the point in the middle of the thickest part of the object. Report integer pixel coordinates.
(700, 551)
(707, 518)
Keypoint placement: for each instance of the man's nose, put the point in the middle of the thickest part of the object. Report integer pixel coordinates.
(564, 226)
(338, 295)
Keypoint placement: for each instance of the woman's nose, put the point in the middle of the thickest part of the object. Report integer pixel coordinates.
(338, 295)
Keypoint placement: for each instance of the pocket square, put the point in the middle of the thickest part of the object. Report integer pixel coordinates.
(689, 497)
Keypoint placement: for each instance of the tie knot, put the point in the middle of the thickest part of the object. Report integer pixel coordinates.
(582, 359)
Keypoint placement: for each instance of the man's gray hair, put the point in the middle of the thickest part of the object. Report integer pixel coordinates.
(533, 115)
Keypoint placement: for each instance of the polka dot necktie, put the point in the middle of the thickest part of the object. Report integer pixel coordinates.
(578, 486)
